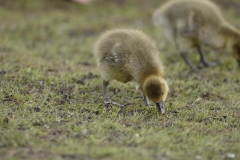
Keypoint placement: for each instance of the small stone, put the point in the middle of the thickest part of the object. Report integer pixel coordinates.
(198, 157)
(136, 135)
(46, 126)
(230, 155)
(84, 131)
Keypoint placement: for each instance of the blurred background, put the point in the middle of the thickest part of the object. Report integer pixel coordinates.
(40, 31)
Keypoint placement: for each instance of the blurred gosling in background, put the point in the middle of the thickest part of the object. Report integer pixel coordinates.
(193, 23)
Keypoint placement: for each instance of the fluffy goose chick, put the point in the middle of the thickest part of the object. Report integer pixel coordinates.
(125, 55)
(193, 23)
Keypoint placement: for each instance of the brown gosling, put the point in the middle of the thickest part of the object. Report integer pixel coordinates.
(193, 23)
(130, 55)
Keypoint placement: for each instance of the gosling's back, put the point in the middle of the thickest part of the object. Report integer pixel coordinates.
(179, 9)
(126, 55)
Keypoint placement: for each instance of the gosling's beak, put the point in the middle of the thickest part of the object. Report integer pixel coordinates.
(238, 63)
(160, 107)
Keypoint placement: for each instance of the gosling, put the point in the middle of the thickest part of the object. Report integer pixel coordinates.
(193, 23)
(130, 55)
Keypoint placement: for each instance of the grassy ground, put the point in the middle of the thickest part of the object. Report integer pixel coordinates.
(51, 92)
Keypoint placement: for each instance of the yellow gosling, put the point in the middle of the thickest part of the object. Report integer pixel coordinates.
(130, 55)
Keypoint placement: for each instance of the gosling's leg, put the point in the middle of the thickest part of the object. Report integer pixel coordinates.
(189, 63)
(146, 101)
(106, 100)
(203, 61)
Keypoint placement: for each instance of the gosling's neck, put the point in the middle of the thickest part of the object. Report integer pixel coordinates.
(230, 33)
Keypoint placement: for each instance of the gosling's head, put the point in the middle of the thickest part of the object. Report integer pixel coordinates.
(156, 89)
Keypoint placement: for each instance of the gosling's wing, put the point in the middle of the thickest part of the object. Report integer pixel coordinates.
(116, 60)
(191, 26)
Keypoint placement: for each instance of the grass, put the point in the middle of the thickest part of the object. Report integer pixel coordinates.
(51, 92)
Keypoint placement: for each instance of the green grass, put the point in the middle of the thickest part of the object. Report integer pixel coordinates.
(51, 92)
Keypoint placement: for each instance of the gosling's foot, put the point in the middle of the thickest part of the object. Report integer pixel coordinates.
(207, 64)
(148, 105)
(194, 69)
(107, 101)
